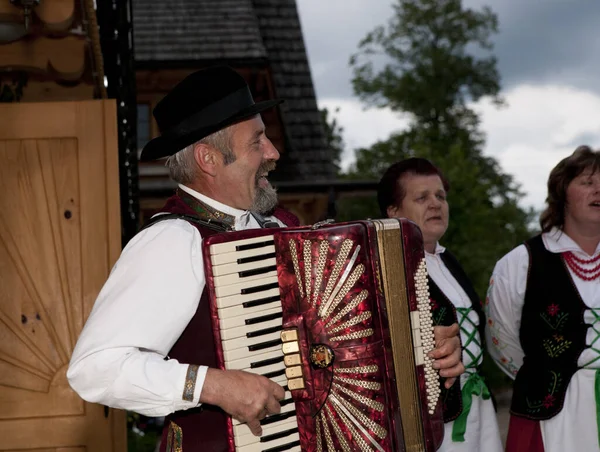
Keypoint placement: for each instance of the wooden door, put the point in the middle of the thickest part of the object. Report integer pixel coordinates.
(59, 237)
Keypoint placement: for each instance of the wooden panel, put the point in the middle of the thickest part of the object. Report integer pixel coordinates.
(63, 57)
(59, 237)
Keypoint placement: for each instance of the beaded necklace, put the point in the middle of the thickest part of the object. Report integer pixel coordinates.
(586, 274)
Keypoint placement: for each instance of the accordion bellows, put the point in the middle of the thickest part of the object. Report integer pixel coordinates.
(339, 315)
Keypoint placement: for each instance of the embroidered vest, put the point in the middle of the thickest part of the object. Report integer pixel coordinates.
(201, 429)
(444, 314)
(552, 334)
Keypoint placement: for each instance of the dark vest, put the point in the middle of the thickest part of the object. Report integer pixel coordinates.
(203, 428)
(552, 335)
(444, 314)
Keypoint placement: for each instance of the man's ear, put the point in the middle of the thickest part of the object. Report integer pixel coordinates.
(206, 158)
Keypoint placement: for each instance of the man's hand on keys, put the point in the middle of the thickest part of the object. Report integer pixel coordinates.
(245, 396)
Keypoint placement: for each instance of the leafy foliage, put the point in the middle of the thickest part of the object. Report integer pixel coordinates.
(432, 60)
(333, 135)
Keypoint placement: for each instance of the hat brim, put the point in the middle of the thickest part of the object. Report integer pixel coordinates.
(167, 145)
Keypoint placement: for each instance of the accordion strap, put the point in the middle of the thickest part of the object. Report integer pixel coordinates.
(210, 224)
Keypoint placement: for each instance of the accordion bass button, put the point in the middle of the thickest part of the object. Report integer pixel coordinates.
(289, 335)
(290, 347)
(296, 384)
(292, 360)
(293, 372)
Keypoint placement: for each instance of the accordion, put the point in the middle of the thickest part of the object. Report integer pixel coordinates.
(338, 315)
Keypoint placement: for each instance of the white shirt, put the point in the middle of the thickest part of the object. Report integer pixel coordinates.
(151, 294)
(482, 432)
(574, 427)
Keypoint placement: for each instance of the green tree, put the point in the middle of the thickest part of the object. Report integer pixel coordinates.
(333, 135)
(432, 61)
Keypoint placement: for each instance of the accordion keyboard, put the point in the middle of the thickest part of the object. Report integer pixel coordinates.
(250, 320)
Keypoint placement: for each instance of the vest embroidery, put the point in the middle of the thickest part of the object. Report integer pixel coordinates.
(553, 334)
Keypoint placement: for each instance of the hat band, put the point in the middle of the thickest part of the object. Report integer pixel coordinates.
(215, 113)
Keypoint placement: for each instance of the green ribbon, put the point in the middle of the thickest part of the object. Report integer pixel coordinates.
(474, 386)
(597, 394)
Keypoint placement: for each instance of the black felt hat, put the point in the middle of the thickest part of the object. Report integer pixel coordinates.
(202, 103)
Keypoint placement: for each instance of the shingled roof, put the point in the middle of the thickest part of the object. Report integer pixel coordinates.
(186, 30)
(244, 30)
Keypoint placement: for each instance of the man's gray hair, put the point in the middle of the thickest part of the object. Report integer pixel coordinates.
(182, 165)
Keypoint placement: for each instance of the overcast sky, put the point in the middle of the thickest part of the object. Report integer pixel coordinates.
(549, 59)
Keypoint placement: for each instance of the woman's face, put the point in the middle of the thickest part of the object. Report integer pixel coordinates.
(424, 203)
(583, 200)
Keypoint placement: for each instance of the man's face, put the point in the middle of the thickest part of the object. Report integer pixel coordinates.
(425, 204)
(244, 182)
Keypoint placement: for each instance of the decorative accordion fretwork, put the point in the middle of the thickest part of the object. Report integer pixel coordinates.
(432, 381)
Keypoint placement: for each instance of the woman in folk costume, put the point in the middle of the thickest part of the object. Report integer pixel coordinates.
(416, 189)
(543, 310)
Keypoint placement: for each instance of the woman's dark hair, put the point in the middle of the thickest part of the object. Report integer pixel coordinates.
(561, 176)
(392, 193)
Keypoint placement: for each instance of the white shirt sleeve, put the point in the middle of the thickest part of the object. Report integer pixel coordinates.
(503, 308)
(149, 298)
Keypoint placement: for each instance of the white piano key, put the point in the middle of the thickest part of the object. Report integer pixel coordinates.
(235, 289)
(239, 342)
(229, 247)
(280, 379)
(235, 278)
(241, 331)
(259, 447)
(226, 258)
(227, 269)
(242, 428)
(244, 363)
(227, 322)
(238, 299)
(248, 438)
(253, 311)
(239, 353)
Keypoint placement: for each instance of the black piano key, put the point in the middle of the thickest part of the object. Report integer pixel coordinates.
(264, 318)
(266, 362)
(259, 288)
(253, 246)
(283, 447)
(278, 417)
(261, 257)
(285, 402)
(264, 331)
(275, 373)
(261, 301)
(264, 345)
(257, 271)
(274, 436)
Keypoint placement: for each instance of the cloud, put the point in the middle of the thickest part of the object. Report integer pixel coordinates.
(362, 127)
(549, 42)
(548, 60)
(539, 126)
(332, 31)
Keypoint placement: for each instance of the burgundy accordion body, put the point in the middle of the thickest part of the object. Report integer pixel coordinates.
(339, 315)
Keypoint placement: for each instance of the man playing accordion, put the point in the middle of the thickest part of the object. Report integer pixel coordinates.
(147, 345)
